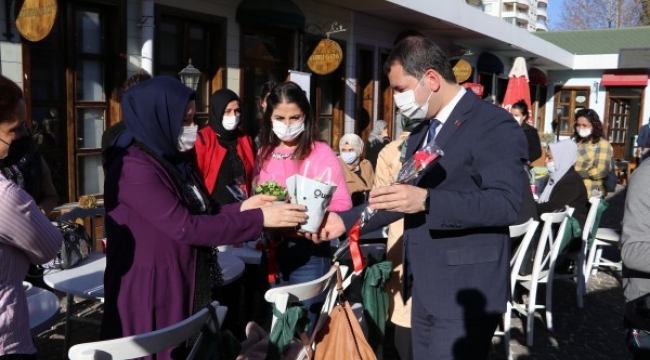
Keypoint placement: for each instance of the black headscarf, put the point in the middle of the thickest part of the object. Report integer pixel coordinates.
(233, 166)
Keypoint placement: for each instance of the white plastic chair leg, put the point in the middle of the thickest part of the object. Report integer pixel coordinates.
(506, 330)
(530, 317)
(549, 301)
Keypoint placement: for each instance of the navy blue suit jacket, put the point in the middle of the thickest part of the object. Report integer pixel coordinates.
(459, 251)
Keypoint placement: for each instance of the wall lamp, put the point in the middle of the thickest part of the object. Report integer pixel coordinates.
(595, 88)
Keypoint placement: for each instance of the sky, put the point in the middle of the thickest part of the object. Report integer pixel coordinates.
(554, 7)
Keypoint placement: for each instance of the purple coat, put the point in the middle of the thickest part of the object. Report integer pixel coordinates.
(151, 247)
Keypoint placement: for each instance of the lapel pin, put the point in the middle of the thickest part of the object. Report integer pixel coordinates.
(457, 123)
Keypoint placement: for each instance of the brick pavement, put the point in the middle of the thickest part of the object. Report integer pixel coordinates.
(595, 332)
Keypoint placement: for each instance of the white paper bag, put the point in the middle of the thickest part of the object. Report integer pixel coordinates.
(316, 196)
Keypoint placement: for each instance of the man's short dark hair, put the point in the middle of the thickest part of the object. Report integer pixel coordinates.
(417, 55)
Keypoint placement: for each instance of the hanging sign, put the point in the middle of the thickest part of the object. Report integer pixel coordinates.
(35, 18)
(326, 58)
(462, 70)
(475, 88)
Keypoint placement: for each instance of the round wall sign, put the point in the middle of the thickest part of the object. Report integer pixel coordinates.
(35, 18)
(462, 70)
(581, 99)
(326, 58)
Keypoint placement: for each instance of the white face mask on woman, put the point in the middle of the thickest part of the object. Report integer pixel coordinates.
(187, 137)
(230, 122)
(349, 157)
(288, 132)
(584, 133)
(550, 166)
(409, 107)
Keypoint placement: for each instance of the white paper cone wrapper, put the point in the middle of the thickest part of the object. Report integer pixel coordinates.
(316, 196)
(291, 189)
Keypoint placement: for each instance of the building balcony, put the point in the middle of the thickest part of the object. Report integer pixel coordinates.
(541, 27)
(519, 3)
(520, 16)
(541, 13)
(540, 2)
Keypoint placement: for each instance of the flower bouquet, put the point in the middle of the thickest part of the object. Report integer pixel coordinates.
(315, 192)
(411, 169)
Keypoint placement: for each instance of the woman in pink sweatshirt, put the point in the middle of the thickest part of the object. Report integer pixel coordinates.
(289, 146)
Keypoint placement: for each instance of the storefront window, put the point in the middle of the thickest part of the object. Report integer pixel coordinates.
(567, 102)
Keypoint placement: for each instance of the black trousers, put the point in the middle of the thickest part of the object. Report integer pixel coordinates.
(451, 339)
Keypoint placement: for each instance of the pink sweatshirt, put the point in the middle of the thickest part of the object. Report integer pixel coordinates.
(279, 168)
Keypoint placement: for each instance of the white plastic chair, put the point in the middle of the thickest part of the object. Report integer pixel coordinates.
(581, 264)
(136, 346)
(527, 230)
(546, 254)
(282, 296)
(604, 237)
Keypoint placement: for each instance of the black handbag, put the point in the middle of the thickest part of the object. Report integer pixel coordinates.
(610, 181)
(76, 246)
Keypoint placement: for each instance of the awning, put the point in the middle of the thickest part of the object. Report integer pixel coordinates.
(489, 63)
(272, 13)
(624, 80)
(537, 76)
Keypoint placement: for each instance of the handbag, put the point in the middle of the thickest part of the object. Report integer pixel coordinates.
(214, 343)
(341, 336)
(610, 181)
(76, 246)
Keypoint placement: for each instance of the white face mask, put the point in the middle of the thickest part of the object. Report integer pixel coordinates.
(584, 133)
(550, 166)
(187, 138)
(409, 107)
(230, 122)
(518, 118)
(349, 157)
(288, 132)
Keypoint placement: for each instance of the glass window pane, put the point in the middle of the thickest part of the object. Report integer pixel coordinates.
(565, 96)
(325, 129)
(90, 80)
(89, 32)
(90, 126)
(326, 93)
(91, 175)
(170, 53)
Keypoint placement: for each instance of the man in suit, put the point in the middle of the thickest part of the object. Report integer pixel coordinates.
(456, 214)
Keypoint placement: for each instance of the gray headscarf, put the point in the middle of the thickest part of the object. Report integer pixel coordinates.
(565, 155)
(375, 135)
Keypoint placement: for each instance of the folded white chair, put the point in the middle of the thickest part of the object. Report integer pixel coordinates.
(136, 346)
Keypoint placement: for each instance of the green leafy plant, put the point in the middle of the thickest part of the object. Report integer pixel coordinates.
(272, 188)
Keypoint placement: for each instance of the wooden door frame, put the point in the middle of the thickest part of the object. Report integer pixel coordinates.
(361, 104)
(386, 103)
(606, 117)
(115, 42)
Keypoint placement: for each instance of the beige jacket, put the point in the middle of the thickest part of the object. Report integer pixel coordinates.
(388, 165)
(353, 180)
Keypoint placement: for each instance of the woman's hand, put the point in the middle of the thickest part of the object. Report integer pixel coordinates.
(283, 215)
(257, 201)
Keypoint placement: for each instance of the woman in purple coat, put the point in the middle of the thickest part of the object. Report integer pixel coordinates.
(162, 227)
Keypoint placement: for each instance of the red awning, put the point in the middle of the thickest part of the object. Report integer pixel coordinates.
(624, 80)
